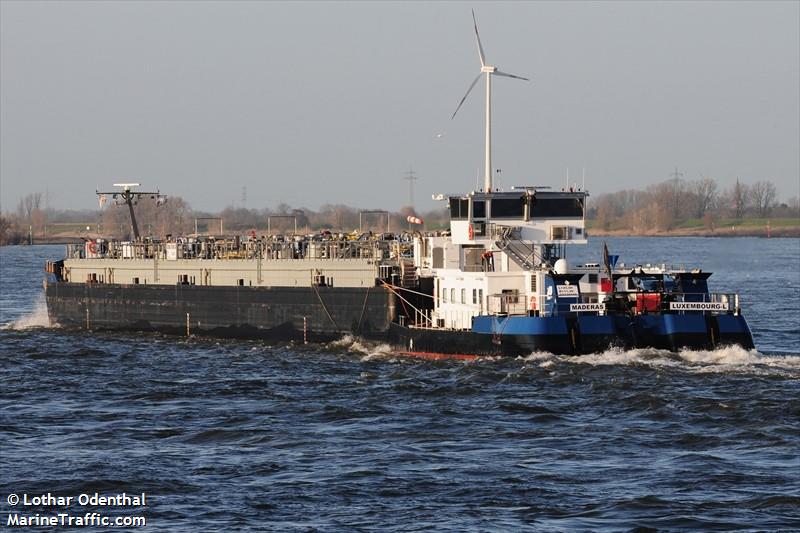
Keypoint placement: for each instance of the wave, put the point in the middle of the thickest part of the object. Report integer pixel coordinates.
(36, 318)
(724, 359)
(736, 355)
(357, 345)
(727, 359)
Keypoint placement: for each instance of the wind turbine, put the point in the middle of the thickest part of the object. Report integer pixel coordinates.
(489, 71)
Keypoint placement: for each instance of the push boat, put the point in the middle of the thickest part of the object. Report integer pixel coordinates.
(496, 283)
(502, 286)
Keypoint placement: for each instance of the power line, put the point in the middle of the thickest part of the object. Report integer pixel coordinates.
(411, 176)
(676, 179)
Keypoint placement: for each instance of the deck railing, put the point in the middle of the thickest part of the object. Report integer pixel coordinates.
(231, 249)
(637, 303)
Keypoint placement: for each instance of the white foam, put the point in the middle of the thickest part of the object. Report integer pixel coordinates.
(737, 359)
(729, 359)
(726, 359)
(370, 349)
(345, 342)
(538, 356)
(37, 318)
(354, 344)
(609, 357)
(728, 355)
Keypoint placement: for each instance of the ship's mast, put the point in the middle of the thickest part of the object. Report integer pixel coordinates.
(129, 198)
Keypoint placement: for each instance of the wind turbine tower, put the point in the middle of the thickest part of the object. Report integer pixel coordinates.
(489, 71)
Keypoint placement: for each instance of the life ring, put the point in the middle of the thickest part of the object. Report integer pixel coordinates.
(471, 232)
(92, 247)
(533, 303)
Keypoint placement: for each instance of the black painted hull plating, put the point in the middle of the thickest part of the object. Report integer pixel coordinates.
(271, 313)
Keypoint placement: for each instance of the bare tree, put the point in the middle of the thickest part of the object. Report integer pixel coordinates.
(605, 211)
(666, 202)
(793, 206)
(704, 194)
(28, 204)
(5, 229)
(663, 217)
(738, 198)
(674, 192)
(763, 197)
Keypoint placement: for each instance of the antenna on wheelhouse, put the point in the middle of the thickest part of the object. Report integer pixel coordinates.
(489, 71)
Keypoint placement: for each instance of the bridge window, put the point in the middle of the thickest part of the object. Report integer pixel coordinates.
(479, 209)
(556, 207)
(508, 207)
(459, 208)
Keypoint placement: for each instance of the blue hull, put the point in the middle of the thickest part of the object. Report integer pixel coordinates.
(595, 333)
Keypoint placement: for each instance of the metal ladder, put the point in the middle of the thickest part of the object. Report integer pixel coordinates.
(522, 254)
(408, 273)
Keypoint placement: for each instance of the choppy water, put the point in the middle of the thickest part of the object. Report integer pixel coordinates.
(241, 435)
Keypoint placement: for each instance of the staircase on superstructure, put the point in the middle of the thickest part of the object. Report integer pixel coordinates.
(522, 254)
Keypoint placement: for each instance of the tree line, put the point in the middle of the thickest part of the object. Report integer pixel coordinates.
(659, 207)
(667, 205)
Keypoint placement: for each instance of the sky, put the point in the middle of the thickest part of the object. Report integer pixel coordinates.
(311, 103)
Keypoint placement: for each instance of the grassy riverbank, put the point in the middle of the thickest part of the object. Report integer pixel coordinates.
(749, 227)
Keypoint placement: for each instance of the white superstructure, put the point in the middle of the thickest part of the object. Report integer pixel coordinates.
(500, 247)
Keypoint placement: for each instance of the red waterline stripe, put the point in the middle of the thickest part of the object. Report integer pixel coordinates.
(435, 356)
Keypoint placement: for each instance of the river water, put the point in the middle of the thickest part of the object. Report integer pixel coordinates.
(227, 435)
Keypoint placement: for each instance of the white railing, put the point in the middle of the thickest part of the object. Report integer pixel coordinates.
(229, 249)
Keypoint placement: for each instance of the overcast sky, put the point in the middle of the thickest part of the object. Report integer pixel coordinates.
(314, 103)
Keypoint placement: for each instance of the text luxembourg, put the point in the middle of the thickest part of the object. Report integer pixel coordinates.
(698, 306)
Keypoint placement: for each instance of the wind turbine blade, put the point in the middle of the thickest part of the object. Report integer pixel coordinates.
(465, 96)
(507, 75)
(481, 55)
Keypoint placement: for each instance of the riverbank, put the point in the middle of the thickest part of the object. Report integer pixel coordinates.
(731, 231)
(751, 227)
(55, 239)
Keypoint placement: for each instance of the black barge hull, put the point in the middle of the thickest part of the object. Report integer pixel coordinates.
(317, 314)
